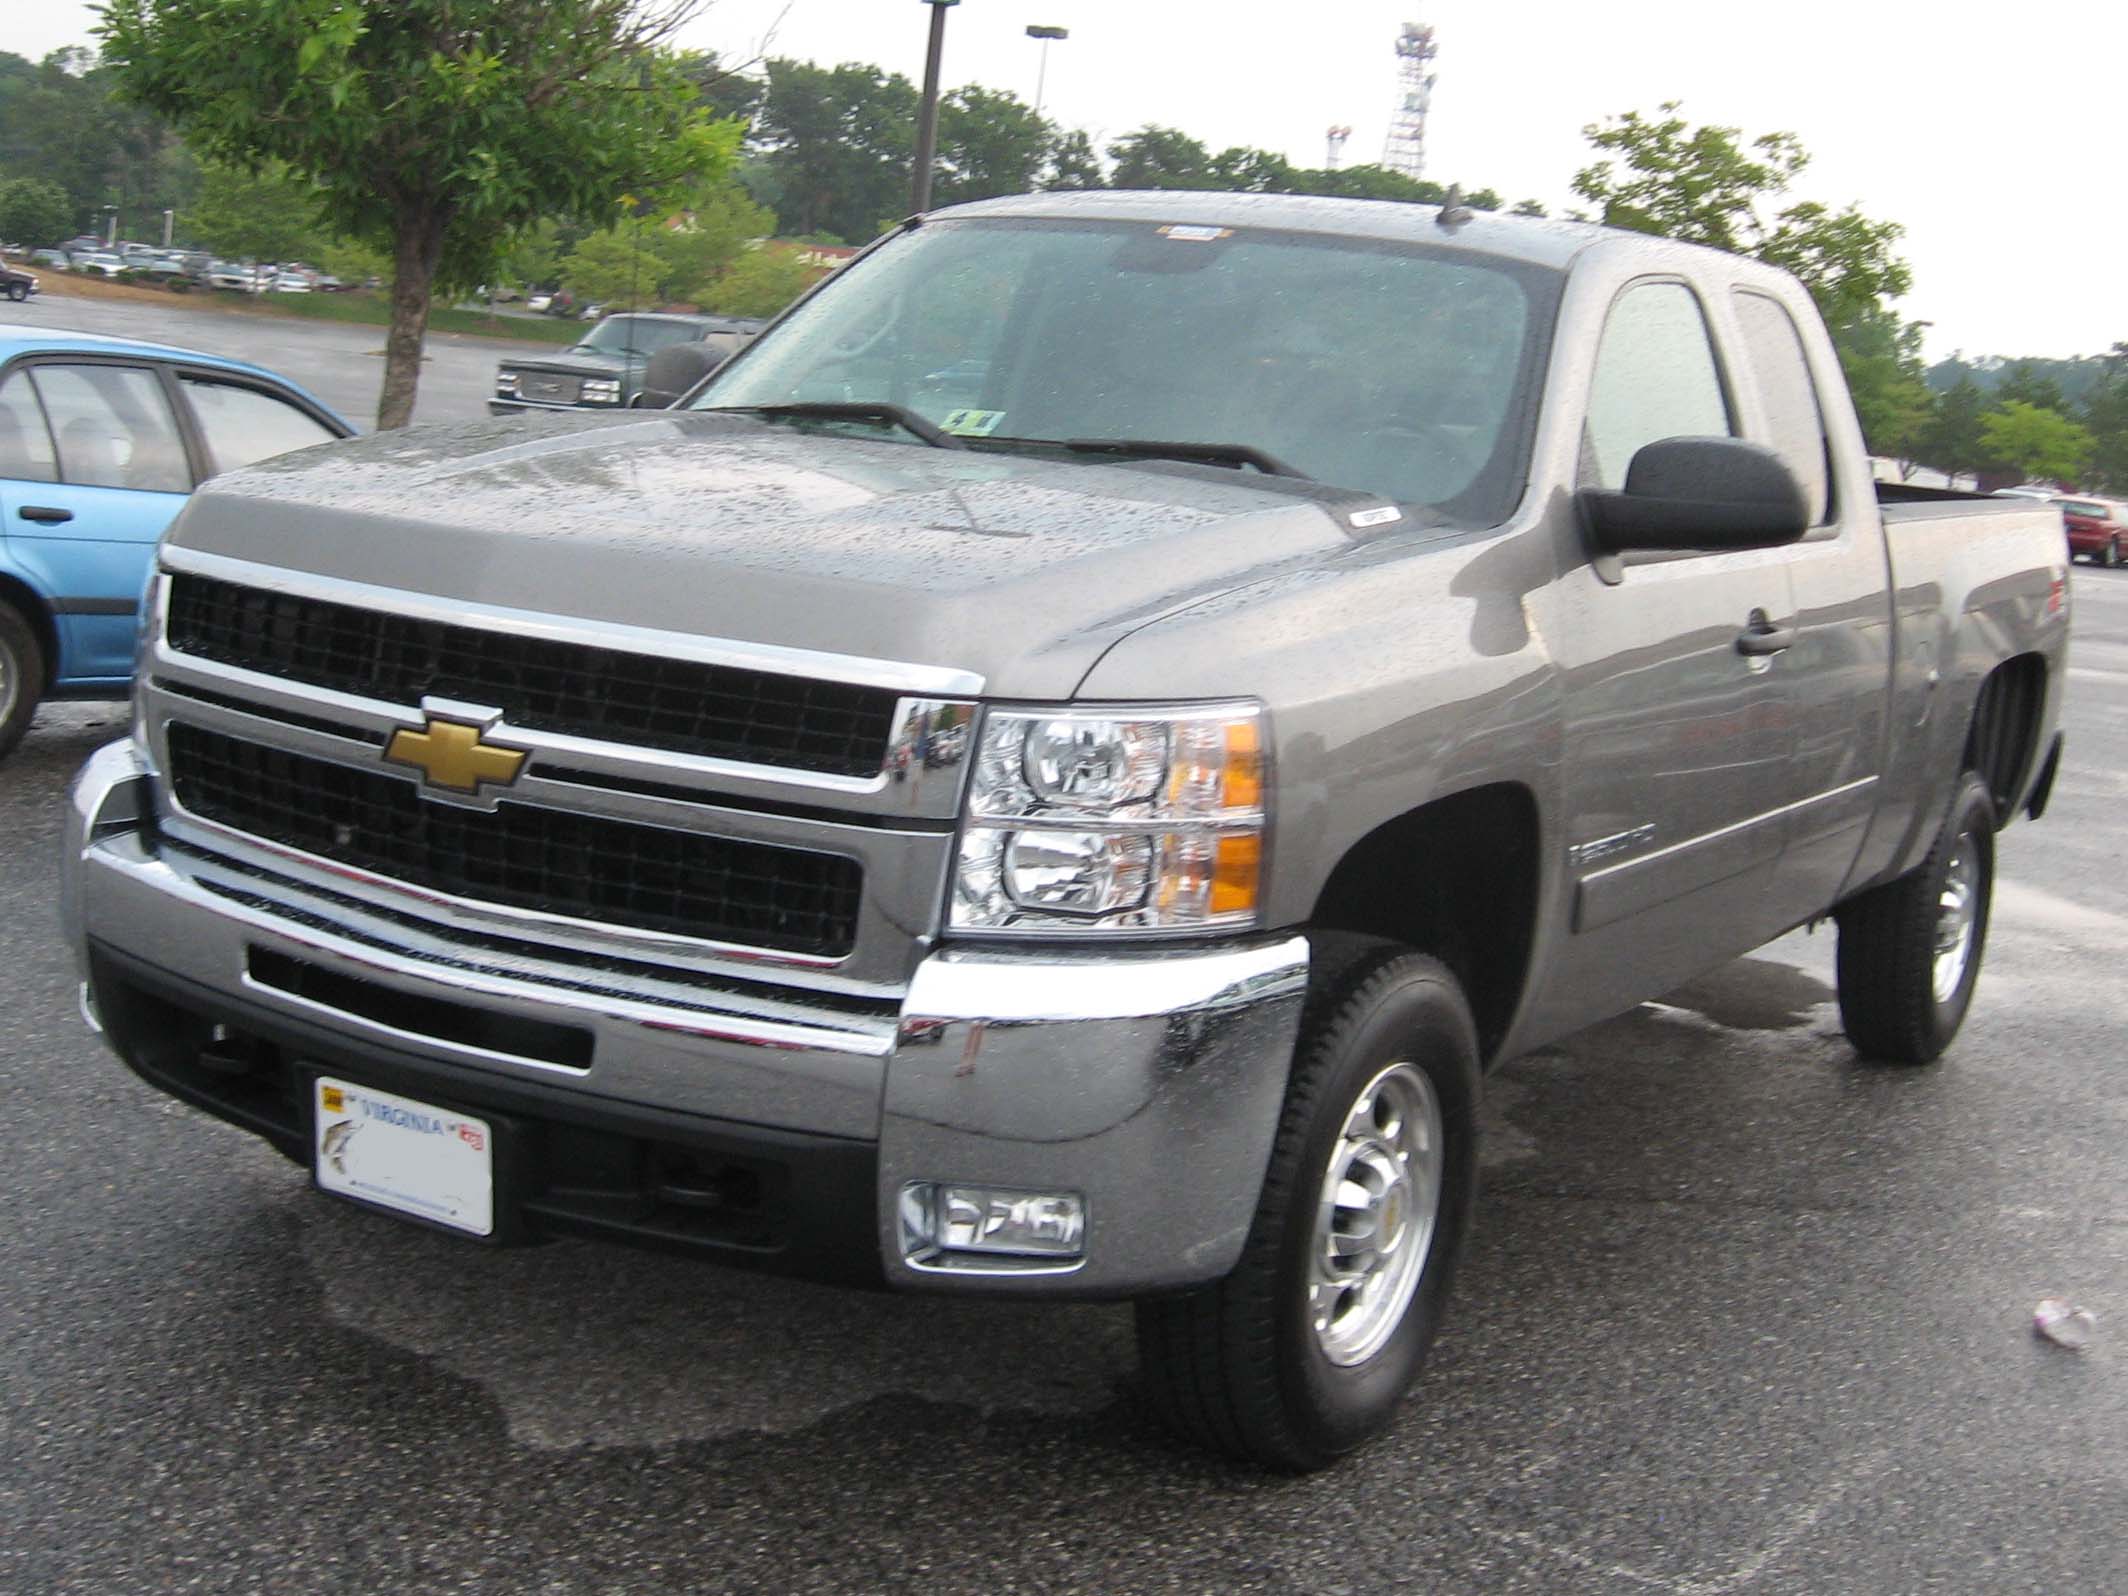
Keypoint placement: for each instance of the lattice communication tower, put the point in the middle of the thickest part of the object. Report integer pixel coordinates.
(1405, 148)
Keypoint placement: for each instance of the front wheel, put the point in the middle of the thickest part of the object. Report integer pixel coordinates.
(1910, 950)
(18, 292)
(2112, 555)
(1305, 1350)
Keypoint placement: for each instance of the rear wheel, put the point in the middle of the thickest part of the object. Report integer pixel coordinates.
(1910, 950)
(1306, 1349)
(21, 677)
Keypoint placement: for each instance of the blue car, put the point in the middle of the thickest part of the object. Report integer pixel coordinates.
(101, 439)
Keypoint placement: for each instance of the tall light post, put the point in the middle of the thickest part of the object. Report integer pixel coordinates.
(1036, 30)
(927, 118)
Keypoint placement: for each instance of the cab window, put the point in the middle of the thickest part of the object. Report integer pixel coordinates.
(1655, 378)
(25, 442)
(1790, 399)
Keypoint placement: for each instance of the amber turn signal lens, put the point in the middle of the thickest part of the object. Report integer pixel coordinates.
(1235, 868)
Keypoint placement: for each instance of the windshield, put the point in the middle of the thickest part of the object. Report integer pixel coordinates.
(2079, 507)
(638, 335)
(1405, 370)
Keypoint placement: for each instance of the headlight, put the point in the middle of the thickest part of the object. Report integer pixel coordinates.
(506, 382)
(1107, 820)
(602, 391)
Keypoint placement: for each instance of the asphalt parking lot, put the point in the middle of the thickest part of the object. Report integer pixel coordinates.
(1741, 1314)
(342, 364)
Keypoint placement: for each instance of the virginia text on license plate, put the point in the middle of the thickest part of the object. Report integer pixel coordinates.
(405, 1155)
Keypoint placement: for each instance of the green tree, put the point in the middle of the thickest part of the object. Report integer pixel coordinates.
(618, 267)
(261, 215)
(761, 282)
(1951, 441)
(834, 146)
(1073, 163)
(34, 212)
(703, 241)
(1881, 356)
(1246, 171)
(2105, 417)
(2030, 382)
(439, 129)
(988, 144)
(1159, 157)
(2037, 445)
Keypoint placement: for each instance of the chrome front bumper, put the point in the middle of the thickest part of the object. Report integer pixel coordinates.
(1147, 1082)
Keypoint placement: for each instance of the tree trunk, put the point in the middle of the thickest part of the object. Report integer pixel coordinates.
(415, 255)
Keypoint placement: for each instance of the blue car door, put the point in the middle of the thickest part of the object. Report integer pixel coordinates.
(86, 537)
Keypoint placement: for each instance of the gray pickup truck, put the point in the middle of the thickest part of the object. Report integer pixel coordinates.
(1056, 770)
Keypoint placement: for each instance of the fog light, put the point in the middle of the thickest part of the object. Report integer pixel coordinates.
(988, 1220)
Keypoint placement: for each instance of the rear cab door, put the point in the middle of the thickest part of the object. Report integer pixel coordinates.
(1837, 673)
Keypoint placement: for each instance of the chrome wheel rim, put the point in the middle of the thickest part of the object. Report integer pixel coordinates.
(1374, 1218)
(1957, 909)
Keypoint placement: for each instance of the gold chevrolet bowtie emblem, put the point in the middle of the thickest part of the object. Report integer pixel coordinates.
(451, 754)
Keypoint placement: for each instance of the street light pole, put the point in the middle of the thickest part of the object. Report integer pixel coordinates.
(927, 118)
(1037, 30)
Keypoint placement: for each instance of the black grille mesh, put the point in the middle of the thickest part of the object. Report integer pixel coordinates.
(724, 711)
(615, 872)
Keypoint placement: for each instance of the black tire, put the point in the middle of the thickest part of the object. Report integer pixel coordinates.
(21, 677)
(18, 292)
(1891, 938)
(2112, 556)
(1239, 1366)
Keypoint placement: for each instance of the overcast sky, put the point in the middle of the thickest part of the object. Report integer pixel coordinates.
(1989, 131)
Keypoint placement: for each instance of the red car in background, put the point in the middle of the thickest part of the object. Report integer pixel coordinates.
(2098, 529)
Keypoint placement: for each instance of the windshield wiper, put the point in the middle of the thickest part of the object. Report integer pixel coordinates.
(1226, 454)
(851, 410)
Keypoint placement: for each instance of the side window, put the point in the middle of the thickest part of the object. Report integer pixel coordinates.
(243, 424)
(25, 441)
(1655, 378)
(1775, 349)
(113, 427)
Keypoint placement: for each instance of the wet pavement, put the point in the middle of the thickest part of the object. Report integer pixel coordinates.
(1741, 1314)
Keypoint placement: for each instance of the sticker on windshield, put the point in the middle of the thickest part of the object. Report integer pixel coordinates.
(1380, 516)
(1185, 234)
(972, 423)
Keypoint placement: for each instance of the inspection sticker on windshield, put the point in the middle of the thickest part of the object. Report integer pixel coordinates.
(1382, 515)
(972, 423)
(399, 1153)
(1183, 233)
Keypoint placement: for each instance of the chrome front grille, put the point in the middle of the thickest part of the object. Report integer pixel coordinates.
(677, 705)
(268, 701)
(586, 867)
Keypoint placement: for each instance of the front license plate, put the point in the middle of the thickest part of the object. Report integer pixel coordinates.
(397, 1153)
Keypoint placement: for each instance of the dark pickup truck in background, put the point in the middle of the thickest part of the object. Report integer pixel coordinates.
(612, 365)
(1056, 771)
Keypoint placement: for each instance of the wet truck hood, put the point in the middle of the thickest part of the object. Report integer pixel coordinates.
(1021, 570)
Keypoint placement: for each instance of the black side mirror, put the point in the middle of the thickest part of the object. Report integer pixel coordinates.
(1699, 493)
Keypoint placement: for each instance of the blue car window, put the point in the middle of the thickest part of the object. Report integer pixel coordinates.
(114, 428)
(25, 443)
(242, 424)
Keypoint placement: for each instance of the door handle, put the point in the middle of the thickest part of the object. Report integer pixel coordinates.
(44, 513)
(1761, 637)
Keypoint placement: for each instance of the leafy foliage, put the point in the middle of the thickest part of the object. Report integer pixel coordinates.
(761, 282)
(34, 212)
(2036, 444)
(258, 215)
(58, 126)
(438, 129)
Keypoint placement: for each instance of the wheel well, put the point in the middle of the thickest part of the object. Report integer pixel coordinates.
(2004, 734)
(1456, 878)
(23, 600)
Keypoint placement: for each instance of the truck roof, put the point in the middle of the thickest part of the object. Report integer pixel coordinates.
(1539, 240)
